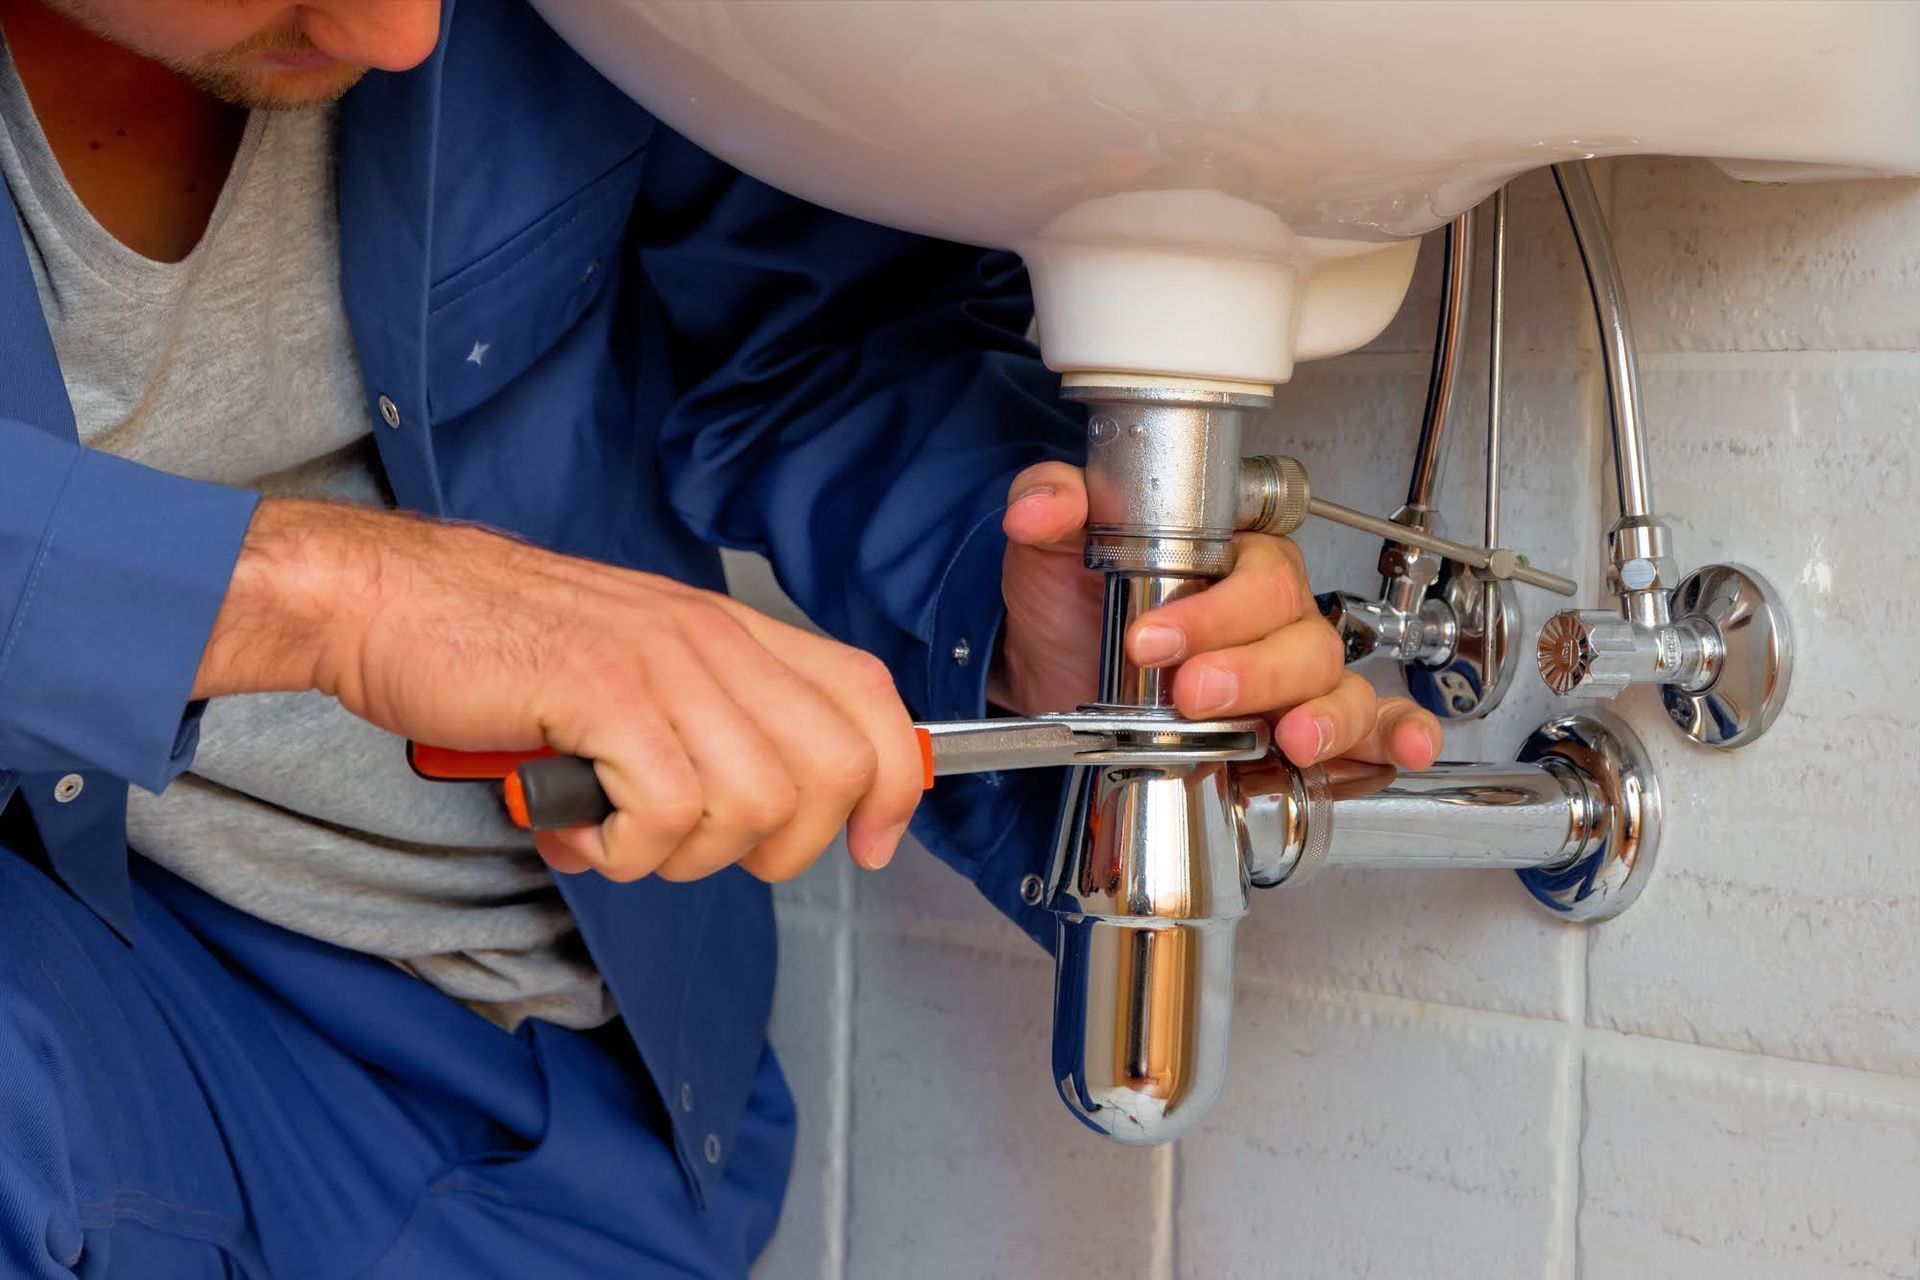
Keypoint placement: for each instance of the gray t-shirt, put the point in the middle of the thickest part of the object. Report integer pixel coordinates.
(235, 366)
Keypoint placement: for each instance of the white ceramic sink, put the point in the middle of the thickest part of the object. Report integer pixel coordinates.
(1212, 189)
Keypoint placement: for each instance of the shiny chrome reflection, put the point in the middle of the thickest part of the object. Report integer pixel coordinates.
(1749, 660)
(1142, 1017)
(1623, 825)
(1148, 884)
(1152, 871)
(1469, 677)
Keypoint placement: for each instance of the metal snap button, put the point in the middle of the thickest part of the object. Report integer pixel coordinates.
(389, 411)
(69, 788)
(962, 652)
(686, 1096)
(713, 1148)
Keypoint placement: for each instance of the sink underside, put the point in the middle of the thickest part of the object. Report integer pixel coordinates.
(1212, 189)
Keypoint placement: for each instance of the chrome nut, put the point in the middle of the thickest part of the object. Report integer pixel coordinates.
(1642, 573)
(1640, 557)
(1588, 653)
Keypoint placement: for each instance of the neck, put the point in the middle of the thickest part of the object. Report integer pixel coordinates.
(146, 151)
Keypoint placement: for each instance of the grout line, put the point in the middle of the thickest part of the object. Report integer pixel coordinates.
(1859, 1084)
(840, 1136)
(1161, 1245)
(810, 913)
(1497, 1022)
(1780, 361)
(1683, 1057)
(1567, 1124)
(1686, 1056)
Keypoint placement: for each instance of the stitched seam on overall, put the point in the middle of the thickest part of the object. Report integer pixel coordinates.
(583, 194)
(182, 1222)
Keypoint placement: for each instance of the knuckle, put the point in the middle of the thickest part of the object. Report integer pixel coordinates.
(759, 810)
(849, 770)
(1328, 655)
(1287, 589)
(744, 812)
(869, 674)
(609, 675)
(627, 860)
(1393, 710)
(676, 813)
(1361, 701)
(1293, 557)
(777, 865)
(703, 619)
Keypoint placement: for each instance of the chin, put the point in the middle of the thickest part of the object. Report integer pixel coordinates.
(284, 90)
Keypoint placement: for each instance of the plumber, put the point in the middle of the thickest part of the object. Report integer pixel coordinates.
(372, 369)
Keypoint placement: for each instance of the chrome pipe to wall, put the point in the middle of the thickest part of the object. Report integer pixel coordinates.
(1448, 619)
(1716, 641)
(1578, 816)
(1617, 350)
(1496, 363)
(1456, 286)
(1501, 649)
(1154, 865)
(1407, 571)
(1521, 816)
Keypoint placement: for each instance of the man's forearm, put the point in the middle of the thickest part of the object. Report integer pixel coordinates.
(307, 572)
(721, 735)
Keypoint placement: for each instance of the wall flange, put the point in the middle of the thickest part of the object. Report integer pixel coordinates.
(1753, 662)
(1625, 817)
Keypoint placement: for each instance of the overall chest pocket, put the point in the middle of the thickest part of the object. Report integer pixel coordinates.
(488, 322)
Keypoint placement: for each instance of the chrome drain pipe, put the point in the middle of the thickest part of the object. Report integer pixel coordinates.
(1578, 815)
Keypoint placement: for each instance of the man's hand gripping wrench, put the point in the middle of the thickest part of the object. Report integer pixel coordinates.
(545, 790)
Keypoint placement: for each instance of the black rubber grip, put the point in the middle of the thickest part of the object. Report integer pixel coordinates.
(563, 791)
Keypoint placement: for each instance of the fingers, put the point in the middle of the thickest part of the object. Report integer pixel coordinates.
(572, 850)
(1266, 591)
(1047, 507)
(1328, 725)
(652, 783)
(747, 796)
(878, 822)
(1293, 664)
(878, 784)
(830, 760)
(1402, 734)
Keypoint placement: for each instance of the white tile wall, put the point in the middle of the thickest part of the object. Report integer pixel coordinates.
(1706, 1167)
(1428, 1080)
(961, 1167)
(1365, 1138)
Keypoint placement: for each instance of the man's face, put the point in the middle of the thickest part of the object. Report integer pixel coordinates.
(268, 53)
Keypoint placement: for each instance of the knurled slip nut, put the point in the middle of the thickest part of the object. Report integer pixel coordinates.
(1207, 559)
(1317, 791)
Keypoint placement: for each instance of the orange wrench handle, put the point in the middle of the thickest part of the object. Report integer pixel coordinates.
(545, 790)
